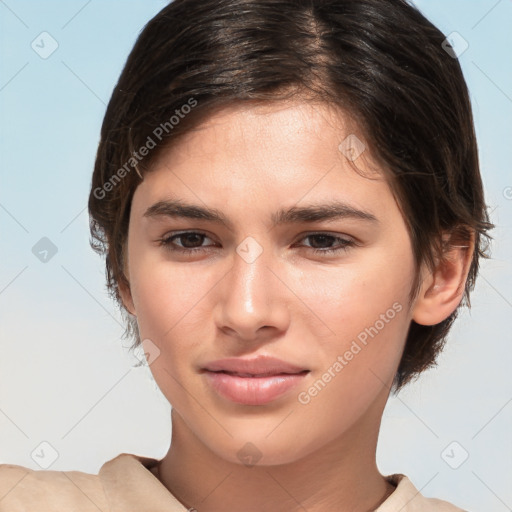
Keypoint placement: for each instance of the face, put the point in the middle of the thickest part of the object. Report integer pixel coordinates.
(310, 263)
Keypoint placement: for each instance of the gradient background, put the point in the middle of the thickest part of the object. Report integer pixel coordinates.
(66, 377)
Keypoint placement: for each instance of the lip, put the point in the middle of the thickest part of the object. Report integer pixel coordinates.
(254, 381)
(258, 366)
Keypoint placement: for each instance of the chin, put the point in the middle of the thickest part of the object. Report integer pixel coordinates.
(260, 449)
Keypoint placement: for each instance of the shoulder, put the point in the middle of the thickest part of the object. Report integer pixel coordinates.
(25, 490)
(407, 498)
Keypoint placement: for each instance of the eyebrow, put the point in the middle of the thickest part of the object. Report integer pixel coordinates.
(296, 214)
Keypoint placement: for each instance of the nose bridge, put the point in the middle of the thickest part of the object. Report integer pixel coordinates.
(251, 276)
(251, 294)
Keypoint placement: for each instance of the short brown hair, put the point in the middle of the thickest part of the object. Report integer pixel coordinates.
(381, 61)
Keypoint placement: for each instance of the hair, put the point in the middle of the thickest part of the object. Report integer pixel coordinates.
(380, 61)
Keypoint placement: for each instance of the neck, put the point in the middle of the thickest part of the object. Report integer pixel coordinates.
(341, 476)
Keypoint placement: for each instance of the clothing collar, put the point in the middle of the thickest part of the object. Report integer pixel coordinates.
(130, 486)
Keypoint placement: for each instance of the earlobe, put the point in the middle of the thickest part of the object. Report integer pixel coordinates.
(443, 288)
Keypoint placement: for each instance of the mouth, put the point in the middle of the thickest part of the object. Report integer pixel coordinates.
(256, 381)
(259, 375)
(262, 365)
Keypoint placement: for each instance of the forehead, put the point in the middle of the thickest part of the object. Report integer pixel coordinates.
(295, 126)
(280, 152)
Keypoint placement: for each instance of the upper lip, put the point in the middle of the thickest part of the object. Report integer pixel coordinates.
(261, 365)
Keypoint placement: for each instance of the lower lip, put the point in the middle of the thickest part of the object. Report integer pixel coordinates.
(253, 390)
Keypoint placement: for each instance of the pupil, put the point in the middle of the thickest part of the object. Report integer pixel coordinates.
(192, 236)
(323, 238)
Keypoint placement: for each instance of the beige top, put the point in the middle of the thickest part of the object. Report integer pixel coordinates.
(126, 484)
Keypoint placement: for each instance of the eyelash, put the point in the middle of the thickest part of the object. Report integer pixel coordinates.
(167, 241)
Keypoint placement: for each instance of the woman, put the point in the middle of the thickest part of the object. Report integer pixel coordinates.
(288, 197)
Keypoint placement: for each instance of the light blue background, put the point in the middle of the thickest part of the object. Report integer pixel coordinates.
(65, 377)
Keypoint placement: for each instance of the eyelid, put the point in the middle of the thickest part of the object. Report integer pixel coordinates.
(336, 235)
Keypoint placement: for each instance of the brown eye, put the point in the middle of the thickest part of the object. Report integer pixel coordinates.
(324, 239)
(189, 241)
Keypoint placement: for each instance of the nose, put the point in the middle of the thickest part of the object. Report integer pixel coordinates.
(252, 303)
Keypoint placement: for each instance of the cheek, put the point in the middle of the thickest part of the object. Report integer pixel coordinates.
(359, 361)
(174, 312)
(365, 307)
(165, 294)
(172, 315)
(353, 297)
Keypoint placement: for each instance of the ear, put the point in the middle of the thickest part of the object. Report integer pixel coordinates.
(442, 289)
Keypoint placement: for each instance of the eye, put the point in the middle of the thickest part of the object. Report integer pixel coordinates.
(190, 242)
(325, 239)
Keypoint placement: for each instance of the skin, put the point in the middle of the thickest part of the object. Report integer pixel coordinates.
(306, 308)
